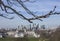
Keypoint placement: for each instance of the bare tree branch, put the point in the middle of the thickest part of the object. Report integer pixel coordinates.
(6, 16)
(26, 9)
(5, 8)
(46, 15)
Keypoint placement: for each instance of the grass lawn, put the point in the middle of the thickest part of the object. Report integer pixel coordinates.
(7, 39)
(21, 39)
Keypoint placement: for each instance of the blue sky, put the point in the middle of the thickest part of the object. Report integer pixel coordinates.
(41, 7)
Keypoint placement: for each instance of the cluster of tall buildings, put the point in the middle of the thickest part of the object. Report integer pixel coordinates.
(23, 31)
